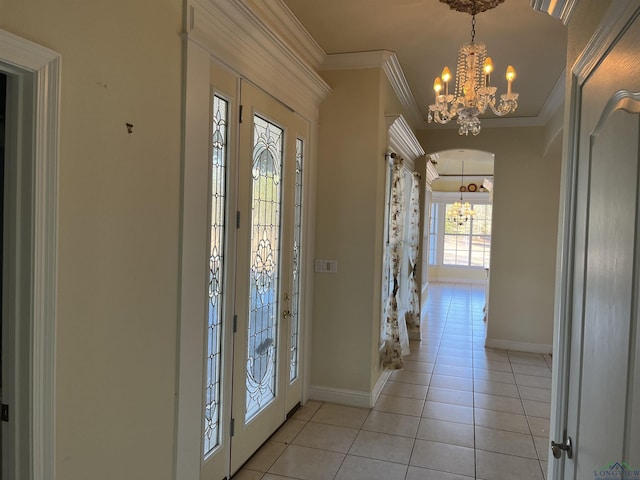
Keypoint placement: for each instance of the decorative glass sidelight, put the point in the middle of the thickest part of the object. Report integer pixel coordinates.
(297, 242)
(216, 270)
(265, 263)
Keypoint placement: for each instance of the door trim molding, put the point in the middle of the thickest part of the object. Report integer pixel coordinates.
(44, 65)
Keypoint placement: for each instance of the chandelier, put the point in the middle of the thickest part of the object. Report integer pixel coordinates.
(473, 92)
(460, 212)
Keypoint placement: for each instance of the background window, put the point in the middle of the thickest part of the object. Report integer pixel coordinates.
(466, 245)
(433, 234)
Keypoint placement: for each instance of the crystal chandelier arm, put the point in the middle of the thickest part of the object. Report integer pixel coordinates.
(508, 103)
(443, 110)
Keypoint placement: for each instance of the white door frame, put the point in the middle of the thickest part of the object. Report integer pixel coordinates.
(615, 21)
(37, 70)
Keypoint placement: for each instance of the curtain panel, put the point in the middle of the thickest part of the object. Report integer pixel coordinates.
(412, 316)
(392, 355)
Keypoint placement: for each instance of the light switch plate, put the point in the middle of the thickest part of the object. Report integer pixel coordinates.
(326, 266)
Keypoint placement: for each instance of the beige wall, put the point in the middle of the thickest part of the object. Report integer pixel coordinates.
(525, 215)
(118, 230)
(353, 139)
(350, 164)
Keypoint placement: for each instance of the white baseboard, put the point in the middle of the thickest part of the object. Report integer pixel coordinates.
(377, 390)
(458, 280)
(518, 346)
(352, 398)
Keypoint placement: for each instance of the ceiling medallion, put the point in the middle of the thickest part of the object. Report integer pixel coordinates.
(473, 92)
(472, 7)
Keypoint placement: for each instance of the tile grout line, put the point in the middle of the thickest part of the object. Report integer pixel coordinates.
(424, 404)
(533, 440)
(473, 330)
(473, 385)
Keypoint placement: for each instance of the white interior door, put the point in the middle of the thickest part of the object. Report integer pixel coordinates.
(264, 271)
(603, 420)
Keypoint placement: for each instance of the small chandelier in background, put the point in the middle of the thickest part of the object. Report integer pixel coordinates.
(473, 92)
(460, 212)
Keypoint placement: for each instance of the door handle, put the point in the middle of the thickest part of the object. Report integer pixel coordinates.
(558, 448)
(286, 314)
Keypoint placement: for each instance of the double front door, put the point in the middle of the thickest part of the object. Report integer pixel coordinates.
(252, 374)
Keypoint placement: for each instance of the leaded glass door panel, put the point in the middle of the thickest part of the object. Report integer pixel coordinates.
(294, 304)
(266, 197)
(217, 263)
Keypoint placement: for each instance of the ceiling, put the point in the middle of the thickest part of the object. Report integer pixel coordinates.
(425, 36)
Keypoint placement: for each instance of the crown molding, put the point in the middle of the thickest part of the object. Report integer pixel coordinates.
(402, 140)
(235, 33)
(388, 62)
(560, 9)
(356, 60)
(399, 83)
(284, 21)
(555, 100)
(432, 173)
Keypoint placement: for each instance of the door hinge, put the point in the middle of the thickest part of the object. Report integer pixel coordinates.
(558, 448)
(235, 323)
(4, 412)
(233, 427)
(238, 219)
(240, 114)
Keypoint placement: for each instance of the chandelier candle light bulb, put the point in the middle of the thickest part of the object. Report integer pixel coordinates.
(488, 68)
(446, 76)
(511, 75)
(437, 86)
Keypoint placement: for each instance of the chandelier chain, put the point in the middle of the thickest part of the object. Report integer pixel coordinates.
(473, 27)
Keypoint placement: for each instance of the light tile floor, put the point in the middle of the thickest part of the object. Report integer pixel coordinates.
(457, 411)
